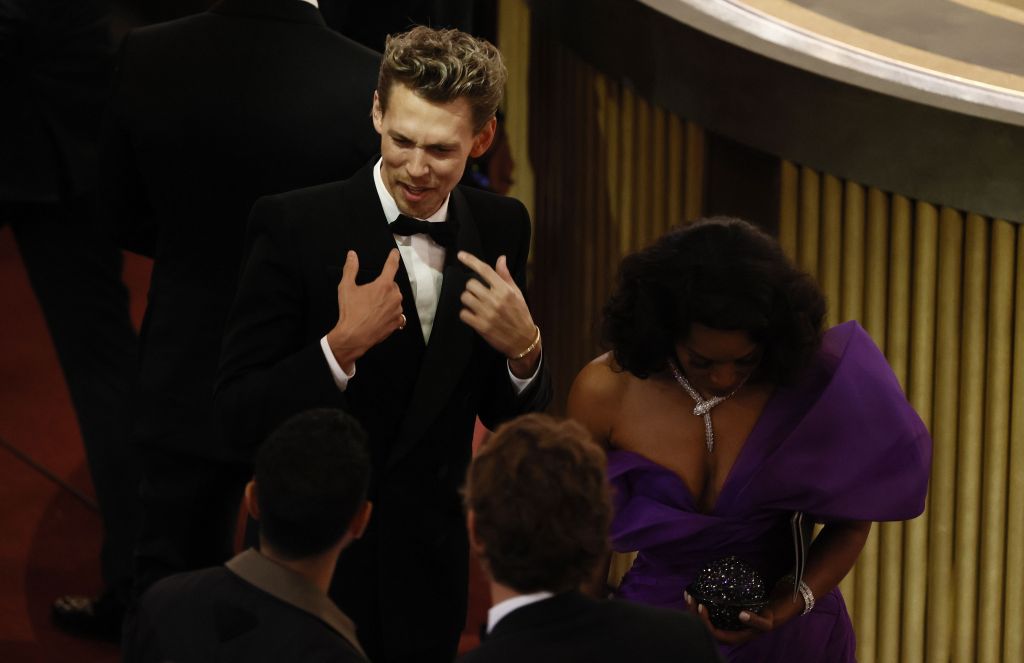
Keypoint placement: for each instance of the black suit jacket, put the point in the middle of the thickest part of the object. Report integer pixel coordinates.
(55, 65)
(418, 402)
(569, 628)
(251, 611)
(209, 113)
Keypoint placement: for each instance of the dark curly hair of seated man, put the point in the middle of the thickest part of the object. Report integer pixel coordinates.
(721, 273)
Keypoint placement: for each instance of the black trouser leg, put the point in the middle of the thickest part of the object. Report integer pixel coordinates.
(75, 272)
(190, 512)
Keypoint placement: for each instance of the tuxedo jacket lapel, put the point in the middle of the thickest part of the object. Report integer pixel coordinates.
(451, 340)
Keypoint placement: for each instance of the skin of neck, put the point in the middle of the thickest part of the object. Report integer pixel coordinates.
(500, 592)
(317, 569)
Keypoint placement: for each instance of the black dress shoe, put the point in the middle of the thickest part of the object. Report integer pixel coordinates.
(99, 618)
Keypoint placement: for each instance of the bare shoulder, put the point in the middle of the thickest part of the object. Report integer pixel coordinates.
(596, 396)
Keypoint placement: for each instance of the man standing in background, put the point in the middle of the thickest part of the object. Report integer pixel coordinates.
(55, 69)
(208, 113)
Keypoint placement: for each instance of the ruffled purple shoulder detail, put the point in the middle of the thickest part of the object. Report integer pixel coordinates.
(842, 444)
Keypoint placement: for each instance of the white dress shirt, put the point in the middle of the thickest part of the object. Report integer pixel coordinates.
(424, 262)
(501, 610)
(422, 256)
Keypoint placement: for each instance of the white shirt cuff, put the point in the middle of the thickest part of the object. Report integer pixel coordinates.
(519, 384)
(341, 378)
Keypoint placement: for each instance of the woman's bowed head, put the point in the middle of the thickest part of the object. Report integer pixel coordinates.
(675, 299)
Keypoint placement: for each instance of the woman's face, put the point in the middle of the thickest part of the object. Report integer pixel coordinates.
(717, 361)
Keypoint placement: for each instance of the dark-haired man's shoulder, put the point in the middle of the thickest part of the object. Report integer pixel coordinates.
(214, 615)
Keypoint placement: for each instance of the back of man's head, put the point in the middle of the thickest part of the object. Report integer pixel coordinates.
(442, 66)
(311, 476)
(540, 504)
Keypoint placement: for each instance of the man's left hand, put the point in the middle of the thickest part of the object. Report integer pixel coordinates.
(495, 308)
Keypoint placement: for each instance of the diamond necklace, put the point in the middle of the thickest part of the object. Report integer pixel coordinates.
(702, 407)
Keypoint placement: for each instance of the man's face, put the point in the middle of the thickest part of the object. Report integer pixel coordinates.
(716, 362)
(424, 146)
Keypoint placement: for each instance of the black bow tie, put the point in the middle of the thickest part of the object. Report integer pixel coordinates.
(442, 232)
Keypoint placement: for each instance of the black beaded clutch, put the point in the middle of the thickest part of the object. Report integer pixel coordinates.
(725, 588)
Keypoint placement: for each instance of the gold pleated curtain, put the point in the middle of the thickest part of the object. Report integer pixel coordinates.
(942, 293)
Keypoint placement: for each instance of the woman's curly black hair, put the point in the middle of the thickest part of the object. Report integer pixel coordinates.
(725, 274)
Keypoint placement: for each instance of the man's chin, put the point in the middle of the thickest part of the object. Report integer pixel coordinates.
(418, 207)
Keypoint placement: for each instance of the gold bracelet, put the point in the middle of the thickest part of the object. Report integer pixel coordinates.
(528, 350)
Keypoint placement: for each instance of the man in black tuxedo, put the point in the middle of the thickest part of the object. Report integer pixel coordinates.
(209, 113)
(439, 336)
(56, 61)
(538, 510)
(309, 495)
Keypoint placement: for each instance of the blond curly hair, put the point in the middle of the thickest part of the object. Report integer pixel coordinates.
(443, 65)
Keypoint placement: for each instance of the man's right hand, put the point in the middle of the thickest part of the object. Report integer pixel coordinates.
(367, 314)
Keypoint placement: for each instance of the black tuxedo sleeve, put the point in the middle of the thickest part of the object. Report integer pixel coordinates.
(122, 189)
(16, 20)
(271, 366)
(500, 401)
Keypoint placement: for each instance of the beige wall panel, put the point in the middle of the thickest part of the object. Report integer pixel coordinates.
(642, 202)
(585, 226)
(830, 256)
(1013, 645)
(810, 221)
(853, 248)
(876, 265)
(885, 619)
(897, 342)
(693, 190)
(920, 392)
(609, 136)
(851, 307)
(992, 570)
(627, 146)
(889, 613)
(876, 274)
(945, 432)
(789, 197)
(972, 403)
(617, 567)
(675, 160)
(658, 190)
(598, 195)
(514, 38)
(897, 349)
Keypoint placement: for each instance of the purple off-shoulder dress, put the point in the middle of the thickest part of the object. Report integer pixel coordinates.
(843, 444)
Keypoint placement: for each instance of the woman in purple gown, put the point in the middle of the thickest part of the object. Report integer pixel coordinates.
(730, 418)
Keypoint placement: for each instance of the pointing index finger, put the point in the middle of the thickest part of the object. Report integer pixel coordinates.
(348, 271)
(390, 266)
(483, 270)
